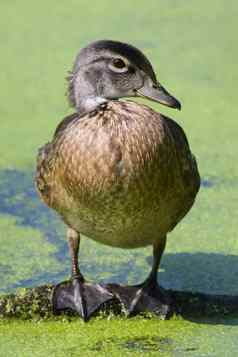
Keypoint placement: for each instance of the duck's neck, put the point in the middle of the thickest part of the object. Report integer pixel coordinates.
(85, 105)
(87, 91)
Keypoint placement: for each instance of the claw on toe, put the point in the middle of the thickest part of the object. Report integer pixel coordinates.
(81, 297)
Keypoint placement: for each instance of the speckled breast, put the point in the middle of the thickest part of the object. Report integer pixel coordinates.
(124, 175)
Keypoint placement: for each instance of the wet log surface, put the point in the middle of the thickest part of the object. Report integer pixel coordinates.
(30, 303)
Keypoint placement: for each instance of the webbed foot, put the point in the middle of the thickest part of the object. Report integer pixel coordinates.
(144, 298)
(79, 296)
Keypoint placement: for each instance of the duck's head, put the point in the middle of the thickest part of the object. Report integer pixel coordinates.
(106, 70)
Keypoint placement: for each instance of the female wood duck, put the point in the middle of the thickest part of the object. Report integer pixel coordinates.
(117, 172)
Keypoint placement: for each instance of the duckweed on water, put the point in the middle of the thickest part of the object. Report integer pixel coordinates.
(194, 46)
(118, 337)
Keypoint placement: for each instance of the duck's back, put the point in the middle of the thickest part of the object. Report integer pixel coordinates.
(123, 175)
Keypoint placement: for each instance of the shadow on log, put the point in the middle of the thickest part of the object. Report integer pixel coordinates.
(36, 302)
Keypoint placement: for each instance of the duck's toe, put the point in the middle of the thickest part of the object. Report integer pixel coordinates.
(144, 298)
(81, 297)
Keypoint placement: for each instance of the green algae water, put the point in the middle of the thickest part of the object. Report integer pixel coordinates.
(119, 337)
(193, 47)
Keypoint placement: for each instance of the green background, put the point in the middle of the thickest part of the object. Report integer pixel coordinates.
(193, 48)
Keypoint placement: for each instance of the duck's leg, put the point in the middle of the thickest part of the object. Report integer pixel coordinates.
(148, 296)
(78, 295)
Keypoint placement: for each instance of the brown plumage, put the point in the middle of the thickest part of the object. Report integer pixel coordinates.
(116, 171)
(122, 175)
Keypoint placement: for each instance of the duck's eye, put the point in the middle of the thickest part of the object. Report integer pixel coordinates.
(119, 63)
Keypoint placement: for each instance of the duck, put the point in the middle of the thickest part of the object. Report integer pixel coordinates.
(118, 172)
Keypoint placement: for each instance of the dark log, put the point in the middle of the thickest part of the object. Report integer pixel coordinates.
(35, 302)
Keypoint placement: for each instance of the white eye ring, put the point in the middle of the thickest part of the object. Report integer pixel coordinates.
(118, 65)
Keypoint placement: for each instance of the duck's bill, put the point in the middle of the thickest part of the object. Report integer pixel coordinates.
(158, 94)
